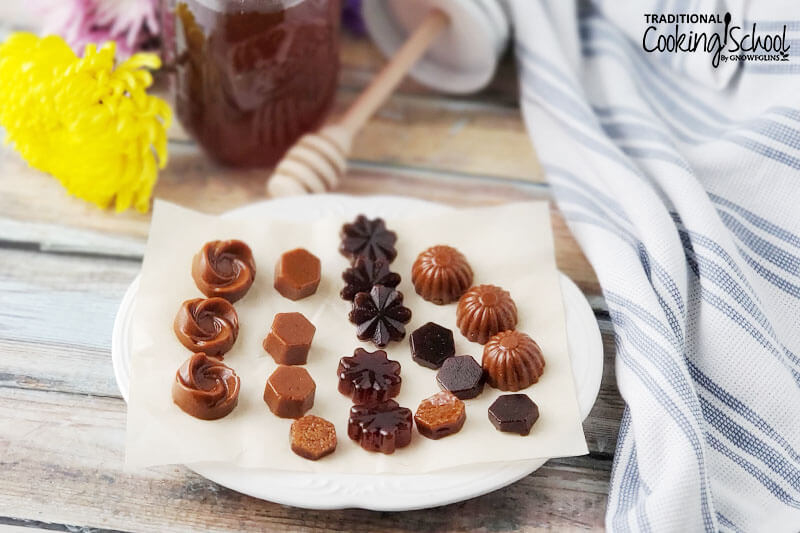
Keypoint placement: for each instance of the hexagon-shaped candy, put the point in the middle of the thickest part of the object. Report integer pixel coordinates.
(289, 338)
(461, 375)
(297, 274)
(513, 413)
(431, 345)
(290, 391)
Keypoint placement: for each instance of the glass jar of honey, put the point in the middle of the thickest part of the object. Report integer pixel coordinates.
(252, 76)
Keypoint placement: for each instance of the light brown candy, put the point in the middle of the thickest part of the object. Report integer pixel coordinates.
(440, 415)
(289, 338)
(208, 325)
(289, 392)
(297, 274)
(224, 269)
(312, 437)
(485, 310)
(205, 388)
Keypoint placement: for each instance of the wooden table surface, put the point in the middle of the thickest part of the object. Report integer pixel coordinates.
(64, 266)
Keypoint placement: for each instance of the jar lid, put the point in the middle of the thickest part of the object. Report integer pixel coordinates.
(461, 60)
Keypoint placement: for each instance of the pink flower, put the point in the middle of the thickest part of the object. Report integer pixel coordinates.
(131, 23)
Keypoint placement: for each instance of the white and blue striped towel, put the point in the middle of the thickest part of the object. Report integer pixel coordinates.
(681, 181)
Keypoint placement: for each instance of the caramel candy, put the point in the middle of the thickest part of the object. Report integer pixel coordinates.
(207, 325)
(514, 413)
(369, 377)
(512, 361)
(225, 269)
(205, 388)
(297, 274)
(485, 310)
(290, 391)
(440, 415)
(441, 274)
(312, 437)
(368, 238)
(431, 345)
(461, 375)
(289, 338)
(381, 427)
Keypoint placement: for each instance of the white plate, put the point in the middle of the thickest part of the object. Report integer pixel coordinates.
(383, 492)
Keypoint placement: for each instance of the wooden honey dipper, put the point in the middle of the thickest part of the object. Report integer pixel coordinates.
(318, 160)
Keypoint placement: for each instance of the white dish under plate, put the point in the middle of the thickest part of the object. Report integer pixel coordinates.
(381, 492)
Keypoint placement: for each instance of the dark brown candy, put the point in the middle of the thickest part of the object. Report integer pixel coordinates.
(205, 388)
(368, 238)
(513, 413)
(208, 325)
(485, 310)
(440, 415)
(379, 315)
(289, 392)
(441, 274)
(462, 376)
(431, 345)
(382, 427)
(366, 273)
(289, 339)
(512, 360)
(312, 437)
(369, 377)
(224, 269)
(297, 274)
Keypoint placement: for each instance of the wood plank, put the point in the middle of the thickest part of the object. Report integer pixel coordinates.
(56, 319)
(75, 443)
(193, 181)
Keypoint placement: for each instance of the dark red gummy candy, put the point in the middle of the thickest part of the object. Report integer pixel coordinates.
(514, 413)
(462, 376)
(382, 427)
(369, 377)
(365, 274)
(368, 238)
(380, 316)
(431, 345)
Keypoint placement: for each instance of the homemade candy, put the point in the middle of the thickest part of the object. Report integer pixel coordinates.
(366, 273)
(513, 413)
(512, 361)
(381, 427)
(208, 325)
(205, 388)
(441, 274)
(290, 391)
(461, 375)
(289, 338)
(368, 238)
(379, 315)
(431, 345)
(485, 310)
(225, 269)
(312, 437)
(369, 377)
(297, 274)
(440, 415)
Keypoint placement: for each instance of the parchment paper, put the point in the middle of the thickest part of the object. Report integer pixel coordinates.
(510, 246)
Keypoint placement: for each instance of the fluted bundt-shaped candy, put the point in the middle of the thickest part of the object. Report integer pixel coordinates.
(485, 310)
(441, 274)
(512, 361)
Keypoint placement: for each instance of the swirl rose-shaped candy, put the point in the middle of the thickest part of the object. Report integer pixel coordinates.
(224, 269)
(205, 388)
(207, 325)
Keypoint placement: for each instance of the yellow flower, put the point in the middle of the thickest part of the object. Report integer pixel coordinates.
(89, 124)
